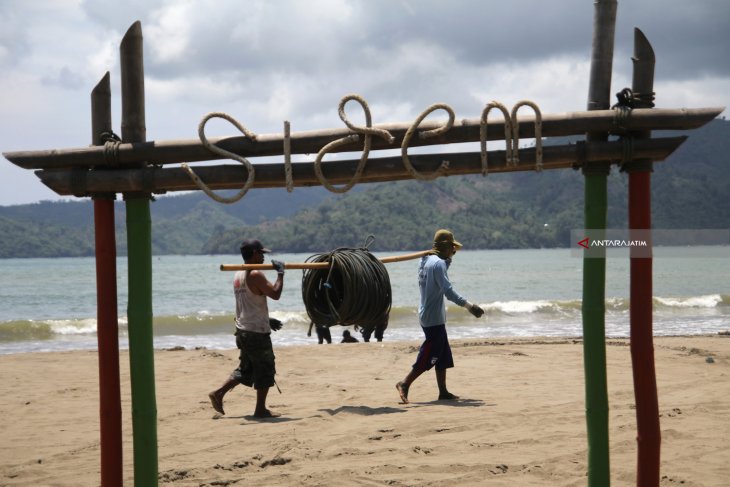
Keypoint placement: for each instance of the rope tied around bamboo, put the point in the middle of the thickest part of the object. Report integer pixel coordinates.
(627, 102)
(353, 290)
(111, 148)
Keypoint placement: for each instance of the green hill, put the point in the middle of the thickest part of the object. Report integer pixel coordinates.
(181, 224)
(516, 210)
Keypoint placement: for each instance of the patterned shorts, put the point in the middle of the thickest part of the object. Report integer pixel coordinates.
(257, 363)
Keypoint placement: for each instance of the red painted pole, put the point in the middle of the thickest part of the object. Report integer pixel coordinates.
(642, 347)
(107, 325)
(648, 433)
(110, 409)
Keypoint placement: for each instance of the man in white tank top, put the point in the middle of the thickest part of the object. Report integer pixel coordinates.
(253, 332)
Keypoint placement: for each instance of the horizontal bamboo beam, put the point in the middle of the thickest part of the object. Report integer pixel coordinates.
(232, 176)
(316, 265)
(310, 142)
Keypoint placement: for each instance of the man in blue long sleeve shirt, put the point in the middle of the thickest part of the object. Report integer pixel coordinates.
(434, 285)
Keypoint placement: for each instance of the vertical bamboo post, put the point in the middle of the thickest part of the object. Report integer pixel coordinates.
(642, 348)
(107, 325)
(594, 269)
(139, 248)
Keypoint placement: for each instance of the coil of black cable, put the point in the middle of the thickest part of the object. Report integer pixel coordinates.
(353, 290)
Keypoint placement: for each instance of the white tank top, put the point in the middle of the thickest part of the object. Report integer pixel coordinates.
(252, 310)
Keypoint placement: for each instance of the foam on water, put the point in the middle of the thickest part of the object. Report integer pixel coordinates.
(708, 301)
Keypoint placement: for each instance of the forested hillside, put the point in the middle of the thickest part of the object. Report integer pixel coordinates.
(181, 224)
(517, 210)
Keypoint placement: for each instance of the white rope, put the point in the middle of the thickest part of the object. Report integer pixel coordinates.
(425, 135)
(511, 127)
(483, 133)
(287, 157)
(511, 134)
(516, 134)
(222, 152)
(368, 131)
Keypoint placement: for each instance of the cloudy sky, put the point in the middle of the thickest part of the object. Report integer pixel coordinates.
(268, 61)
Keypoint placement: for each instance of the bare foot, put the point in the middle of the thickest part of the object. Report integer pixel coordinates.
(447, 396)
(403, 392)
(217, 402)
(266, 414)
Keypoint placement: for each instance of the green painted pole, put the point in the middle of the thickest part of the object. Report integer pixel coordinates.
(141, 352)
(139, 255)
(594, 338)
(594, 269)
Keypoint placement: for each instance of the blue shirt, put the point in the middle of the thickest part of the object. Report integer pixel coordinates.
(434, 284)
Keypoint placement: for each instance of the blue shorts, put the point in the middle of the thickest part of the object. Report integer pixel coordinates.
(435, 350)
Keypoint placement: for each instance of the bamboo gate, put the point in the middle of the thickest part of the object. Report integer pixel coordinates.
(136, 168)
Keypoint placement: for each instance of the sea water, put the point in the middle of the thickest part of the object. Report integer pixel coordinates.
(50, 304)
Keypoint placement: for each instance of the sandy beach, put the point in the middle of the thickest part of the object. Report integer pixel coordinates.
(520, 419)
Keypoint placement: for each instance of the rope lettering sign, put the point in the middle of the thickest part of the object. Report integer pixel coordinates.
(366, 133)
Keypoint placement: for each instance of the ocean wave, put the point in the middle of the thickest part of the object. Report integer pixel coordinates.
(519, 307)
(707, 301)
(291, 317)
(208, 322)
(21, 330)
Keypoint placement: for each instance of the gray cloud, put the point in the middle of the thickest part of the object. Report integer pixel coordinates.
(64, 78)
(264, 61)
(14, 43)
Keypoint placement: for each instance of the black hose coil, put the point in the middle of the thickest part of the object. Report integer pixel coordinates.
(354, 290)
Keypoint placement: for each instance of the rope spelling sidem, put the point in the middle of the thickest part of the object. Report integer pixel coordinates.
(511, 129)
(354, 290)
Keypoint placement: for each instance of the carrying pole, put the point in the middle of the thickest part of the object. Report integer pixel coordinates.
(642, 347)
(316, 265)
(107, 324)
(139, 254)
(594, 269)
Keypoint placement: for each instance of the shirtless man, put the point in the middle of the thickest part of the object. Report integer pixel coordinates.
(253, 332)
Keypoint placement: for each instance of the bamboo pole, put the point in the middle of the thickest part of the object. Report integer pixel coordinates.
(107, 325)
(642, 346)
(316, 265)
(594, 270)
(310, 142)
(232, 176)
(139, 254)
